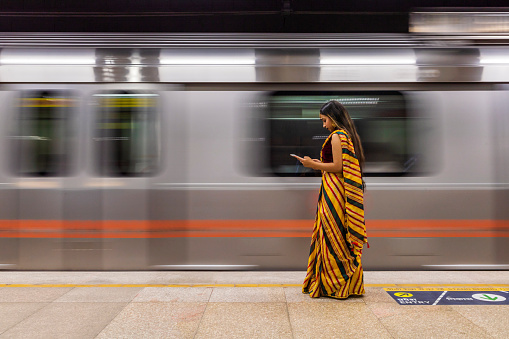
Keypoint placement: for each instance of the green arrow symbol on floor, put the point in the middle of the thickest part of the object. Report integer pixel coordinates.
(489, 298)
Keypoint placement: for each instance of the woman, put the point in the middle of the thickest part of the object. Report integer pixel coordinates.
(334, 268)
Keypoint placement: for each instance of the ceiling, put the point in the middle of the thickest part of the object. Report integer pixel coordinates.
(255, 16)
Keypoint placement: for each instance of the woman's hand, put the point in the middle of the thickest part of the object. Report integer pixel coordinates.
(308, 162)
(332, 167)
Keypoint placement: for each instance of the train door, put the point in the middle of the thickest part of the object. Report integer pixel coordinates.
(41, 162)
(500, 123)
(9, 241)
(125, 155)
(168, 240)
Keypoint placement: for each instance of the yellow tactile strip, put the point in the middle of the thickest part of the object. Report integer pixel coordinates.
(391, 286)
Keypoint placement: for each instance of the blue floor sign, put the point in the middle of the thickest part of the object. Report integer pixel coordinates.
(444, 296)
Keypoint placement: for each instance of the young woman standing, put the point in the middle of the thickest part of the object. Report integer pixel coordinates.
(334, 266)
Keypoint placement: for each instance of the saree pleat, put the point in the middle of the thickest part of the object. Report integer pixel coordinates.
(334, 265)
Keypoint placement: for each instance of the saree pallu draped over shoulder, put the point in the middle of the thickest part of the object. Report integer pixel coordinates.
(334, 266)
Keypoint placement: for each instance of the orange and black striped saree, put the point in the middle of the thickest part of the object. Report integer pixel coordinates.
(334, 266)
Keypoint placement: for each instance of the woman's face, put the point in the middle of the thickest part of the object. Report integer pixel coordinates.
(327, 123)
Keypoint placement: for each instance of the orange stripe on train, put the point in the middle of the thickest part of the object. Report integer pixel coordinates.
(241, 228)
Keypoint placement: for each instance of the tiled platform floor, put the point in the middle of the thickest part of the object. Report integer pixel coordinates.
(235, 305)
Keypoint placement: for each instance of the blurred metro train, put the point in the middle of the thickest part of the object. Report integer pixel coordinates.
(166, 151)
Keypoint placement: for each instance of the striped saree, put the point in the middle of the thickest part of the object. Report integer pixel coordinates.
(334, 266)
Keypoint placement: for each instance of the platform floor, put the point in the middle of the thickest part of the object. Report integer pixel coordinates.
(236, 305)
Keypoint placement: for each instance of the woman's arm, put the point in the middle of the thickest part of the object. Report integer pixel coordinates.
(337, 155)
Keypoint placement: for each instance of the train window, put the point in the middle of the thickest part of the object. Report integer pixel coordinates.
(294, 127)
(126, 134)
(42, 141)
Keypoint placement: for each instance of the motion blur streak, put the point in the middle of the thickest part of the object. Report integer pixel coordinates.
(141, 152)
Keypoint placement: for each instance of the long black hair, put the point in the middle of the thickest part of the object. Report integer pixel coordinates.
(340, 117)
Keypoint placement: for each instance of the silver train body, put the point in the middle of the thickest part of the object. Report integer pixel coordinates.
(153, 152)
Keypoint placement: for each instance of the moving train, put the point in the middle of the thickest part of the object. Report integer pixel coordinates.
(172, 151)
